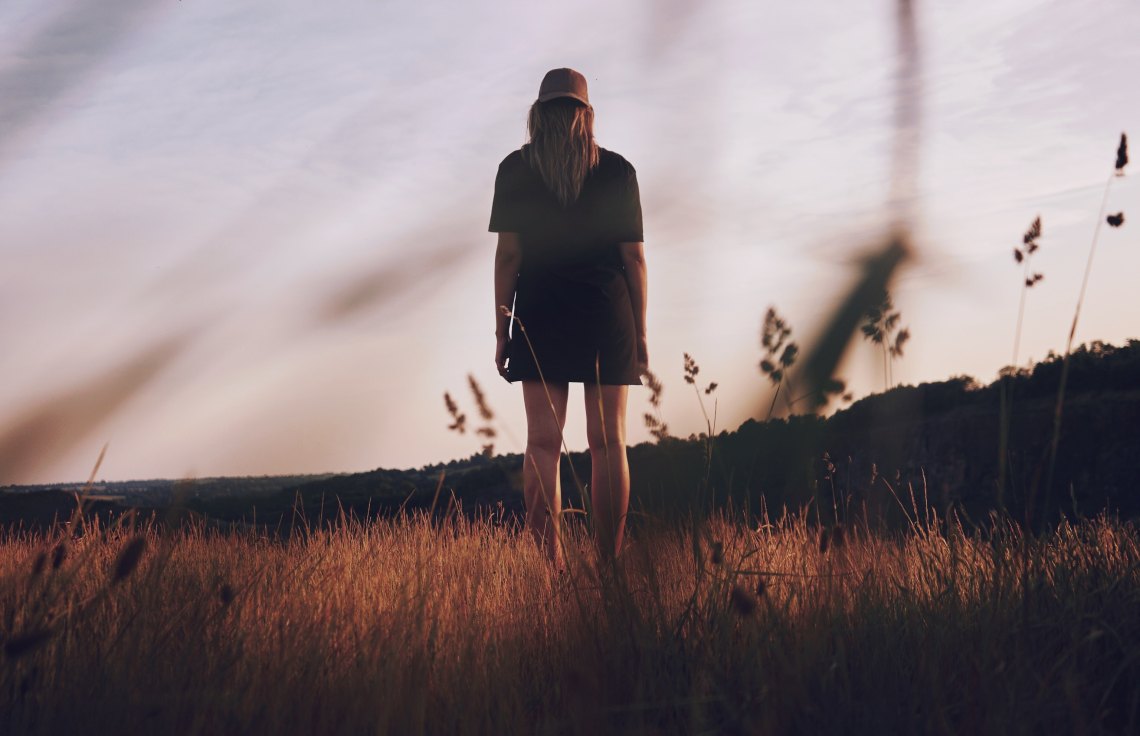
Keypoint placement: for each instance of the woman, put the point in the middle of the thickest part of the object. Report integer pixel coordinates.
(571, 262)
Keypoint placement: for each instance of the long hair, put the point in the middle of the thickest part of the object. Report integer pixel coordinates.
(561, 148)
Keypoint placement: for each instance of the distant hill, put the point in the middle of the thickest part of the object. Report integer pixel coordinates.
(939, 440)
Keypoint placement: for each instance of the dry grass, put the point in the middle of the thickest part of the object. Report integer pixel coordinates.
(410, 626)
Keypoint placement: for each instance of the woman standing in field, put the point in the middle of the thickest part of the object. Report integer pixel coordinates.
(571, 262)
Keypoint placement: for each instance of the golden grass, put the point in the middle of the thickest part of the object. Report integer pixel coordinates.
(456, 626)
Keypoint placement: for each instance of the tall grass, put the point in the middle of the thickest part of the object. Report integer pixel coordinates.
(410, 625)
(1115, 221)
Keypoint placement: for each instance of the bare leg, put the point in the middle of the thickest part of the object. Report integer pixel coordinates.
(542, 491)
(609, 482)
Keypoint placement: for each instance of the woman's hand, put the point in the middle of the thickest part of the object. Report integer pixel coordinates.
(501, 354)
(642, 355)
(508, 258)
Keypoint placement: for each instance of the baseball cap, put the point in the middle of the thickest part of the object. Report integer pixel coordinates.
(563, 83)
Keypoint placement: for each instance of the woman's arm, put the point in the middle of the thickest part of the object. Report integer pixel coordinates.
(508, 256)
(633, 258)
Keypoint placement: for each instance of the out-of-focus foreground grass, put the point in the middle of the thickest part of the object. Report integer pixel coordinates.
(412, 625)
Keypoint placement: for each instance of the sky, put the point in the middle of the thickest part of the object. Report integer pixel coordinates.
(251, 239)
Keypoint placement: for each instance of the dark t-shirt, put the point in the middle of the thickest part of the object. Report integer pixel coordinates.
(572, 296)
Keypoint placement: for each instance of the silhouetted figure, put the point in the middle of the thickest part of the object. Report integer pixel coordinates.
(570, 260)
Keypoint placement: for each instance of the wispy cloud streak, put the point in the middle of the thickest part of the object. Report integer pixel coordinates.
(60, 57)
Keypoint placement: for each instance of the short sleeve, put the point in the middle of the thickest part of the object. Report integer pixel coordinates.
(627, 223)
(506, 216)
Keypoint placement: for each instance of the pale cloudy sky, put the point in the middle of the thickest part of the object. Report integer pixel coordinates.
(295, 198)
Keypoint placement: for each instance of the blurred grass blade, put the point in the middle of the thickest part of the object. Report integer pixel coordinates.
(64, 55)
(128, 559)
(828, 349)
(392, 280)
(49, 429)
(874, 279)
(23, 644)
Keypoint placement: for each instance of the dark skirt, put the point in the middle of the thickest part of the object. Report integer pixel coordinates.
(579, 325)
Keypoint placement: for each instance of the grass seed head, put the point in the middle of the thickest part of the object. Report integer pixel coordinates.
(128, 559)
(458, 419)
(480, 398)
(774, 332)
(691, 369)
(58, 555)
(743, 602)
(1029, 244)
(653, 383)
(828, 466)
(767, 333)
(656, 427)
(653, 423)
(904, 335)
(1033, 232)
(773, 336)
(24, 644)
(226, 594)
(788, 357)
(879, 320)
(39, 565)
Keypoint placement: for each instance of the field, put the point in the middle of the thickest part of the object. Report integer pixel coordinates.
(452, 625)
